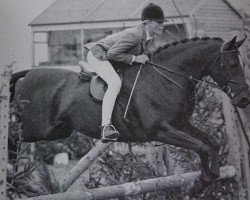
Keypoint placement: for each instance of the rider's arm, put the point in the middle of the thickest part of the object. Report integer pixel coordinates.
(119, 51)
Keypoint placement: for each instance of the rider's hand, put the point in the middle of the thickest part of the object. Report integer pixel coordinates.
(141, 59)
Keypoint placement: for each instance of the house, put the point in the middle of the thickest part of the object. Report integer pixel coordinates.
(59, 33)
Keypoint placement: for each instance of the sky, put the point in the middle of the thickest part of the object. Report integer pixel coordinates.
(15, 34)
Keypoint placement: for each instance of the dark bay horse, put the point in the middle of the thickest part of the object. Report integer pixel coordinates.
(161, 105)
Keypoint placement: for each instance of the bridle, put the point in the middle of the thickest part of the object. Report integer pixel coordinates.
(226, 88)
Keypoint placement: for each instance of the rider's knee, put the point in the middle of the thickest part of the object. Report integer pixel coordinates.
(115, 82)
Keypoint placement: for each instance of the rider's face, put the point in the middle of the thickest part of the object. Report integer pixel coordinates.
(155, 27)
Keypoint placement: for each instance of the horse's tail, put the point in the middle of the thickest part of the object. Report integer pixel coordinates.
(13, 81)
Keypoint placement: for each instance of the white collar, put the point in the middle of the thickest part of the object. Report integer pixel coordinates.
(147, 36)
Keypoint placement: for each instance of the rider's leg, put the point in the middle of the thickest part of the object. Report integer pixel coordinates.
(106, 71)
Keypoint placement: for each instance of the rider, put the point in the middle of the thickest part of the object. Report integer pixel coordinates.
(127, 46)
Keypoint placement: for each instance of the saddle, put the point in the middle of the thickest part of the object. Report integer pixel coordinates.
(97, 86)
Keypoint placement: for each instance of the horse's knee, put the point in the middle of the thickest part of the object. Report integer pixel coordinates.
(164, 126)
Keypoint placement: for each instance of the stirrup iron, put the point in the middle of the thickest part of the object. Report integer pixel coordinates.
(114, 132)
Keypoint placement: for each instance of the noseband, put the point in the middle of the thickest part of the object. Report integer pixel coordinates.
(226, 88)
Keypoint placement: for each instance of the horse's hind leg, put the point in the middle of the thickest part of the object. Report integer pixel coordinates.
(214, 145)
(170, 135)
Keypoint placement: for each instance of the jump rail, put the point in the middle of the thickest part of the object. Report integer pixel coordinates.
(5, 74)
(134, 188)
(238, 132)
(83, 165)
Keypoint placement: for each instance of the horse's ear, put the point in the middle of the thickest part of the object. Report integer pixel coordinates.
(239, 43)
(231, 43)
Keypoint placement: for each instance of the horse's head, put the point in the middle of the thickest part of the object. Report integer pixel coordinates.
(228, 73)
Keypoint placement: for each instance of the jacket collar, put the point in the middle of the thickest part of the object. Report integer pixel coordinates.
(144, 38)
(148, 36)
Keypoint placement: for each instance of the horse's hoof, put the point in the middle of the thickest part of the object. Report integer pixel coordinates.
(195, 187)
(215, 166)
(215, 174)
(215, 170)
(188, 190)
(206, 180)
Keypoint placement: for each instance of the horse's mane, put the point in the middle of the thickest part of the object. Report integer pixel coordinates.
(185, 40)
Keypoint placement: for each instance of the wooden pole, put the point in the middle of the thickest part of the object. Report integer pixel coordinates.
(4, 126)
(82, 44)
(238, 147)
(33, 49)
(83, 165)
(127, 189)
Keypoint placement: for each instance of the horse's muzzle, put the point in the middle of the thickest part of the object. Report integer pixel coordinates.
(242, 99)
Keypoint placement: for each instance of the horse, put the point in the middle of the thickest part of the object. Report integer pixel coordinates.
(161, 105)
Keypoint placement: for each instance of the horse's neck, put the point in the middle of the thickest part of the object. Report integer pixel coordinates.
(192, 59)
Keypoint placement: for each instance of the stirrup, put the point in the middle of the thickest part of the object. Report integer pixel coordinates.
(111, 137)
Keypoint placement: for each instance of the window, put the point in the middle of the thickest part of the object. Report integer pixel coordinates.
(40, 48)
(64, 47)
(55, 48)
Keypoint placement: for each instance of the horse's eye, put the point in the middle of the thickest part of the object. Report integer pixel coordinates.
(232, 65)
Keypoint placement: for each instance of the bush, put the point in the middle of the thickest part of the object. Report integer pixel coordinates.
(77, 145)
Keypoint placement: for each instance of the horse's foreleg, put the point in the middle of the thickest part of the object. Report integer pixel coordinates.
(214, 145)
(170, 135)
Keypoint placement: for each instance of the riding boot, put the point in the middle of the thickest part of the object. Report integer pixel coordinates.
(109, 133)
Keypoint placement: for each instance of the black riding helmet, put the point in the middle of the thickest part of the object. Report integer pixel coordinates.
(153, 12)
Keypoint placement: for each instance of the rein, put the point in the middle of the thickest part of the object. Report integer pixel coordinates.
(181, 74)
(225, 88)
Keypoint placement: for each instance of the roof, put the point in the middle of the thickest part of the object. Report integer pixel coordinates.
(85, 11)
(233, 8)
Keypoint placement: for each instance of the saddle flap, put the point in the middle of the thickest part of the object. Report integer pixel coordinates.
(98, 88)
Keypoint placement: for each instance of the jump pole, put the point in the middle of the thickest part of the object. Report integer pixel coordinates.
(238, 146)
(134, 188)
(5, 74)
(83, 165)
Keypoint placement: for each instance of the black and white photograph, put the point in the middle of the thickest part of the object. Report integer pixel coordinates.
(124, 100)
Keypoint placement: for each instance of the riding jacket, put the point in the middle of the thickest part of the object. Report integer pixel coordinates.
(122, 46)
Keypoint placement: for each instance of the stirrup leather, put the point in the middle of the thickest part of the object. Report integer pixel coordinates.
(114, 134)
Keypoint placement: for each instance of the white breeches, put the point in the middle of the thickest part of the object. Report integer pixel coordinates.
(106, 71)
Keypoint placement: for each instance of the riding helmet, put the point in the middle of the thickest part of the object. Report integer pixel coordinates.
(153, 12)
